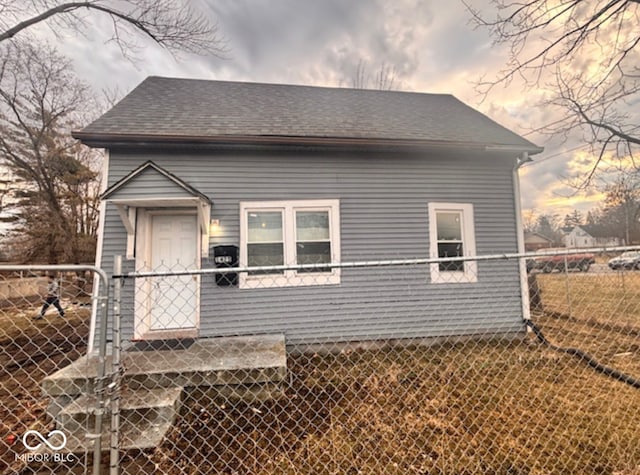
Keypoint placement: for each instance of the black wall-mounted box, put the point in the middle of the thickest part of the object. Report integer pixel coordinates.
(226, 256)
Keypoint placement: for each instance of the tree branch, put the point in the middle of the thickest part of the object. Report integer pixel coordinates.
(64, 8)
(168, 23)
(601, 125)
(591, 49)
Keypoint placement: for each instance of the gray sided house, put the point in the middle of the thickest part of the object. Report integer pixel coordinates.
(297, 174)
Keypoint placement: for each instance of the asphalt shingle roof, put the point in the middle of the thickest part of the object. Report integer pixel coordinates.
(169, 107)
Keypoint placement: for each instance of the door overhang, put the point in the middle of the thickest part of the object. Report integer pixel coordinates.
(166, 191)
(128, 212)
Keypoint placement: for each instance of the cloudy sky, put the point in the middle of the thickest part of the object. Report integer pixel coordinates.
(431, 44)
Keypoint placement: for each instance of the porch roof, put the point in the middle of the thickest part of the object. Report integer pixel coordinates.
(110, 193)
(127, 198)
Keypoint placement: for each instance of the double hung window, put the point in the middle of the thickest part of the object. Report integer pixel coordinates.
(451, 232)
(287, 233)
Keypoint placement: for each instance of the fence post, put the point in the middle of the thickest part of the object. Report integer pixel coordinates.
(566, 281)
(115, 398)
(100, 374)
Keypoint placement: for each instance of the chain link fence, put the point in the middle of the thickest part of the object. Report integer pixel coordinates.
(397, 367)
(45, 314)
(407, 366)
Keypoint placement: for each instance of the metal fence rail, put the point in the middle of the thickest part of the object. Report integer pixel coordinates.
(388, 371)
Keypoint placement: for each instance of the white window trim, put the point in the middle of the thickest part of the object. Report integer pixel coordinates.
(470, 273)
(291, 278)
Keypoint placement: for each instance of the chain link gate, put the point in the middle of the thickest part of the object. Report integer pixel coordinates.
(45, 319)
(485, 392)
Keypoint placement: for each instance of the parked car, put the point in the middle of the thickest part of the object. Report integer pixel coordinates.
(579, 260)
(627, 260)
(531, 264)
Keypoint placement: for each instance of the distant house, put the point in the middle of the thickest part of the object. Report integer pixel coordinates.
(534, 241)
(589, 235)
(295, 174)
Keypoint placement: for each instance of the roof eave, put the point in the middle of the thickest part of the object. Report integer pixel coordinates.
(145, 140)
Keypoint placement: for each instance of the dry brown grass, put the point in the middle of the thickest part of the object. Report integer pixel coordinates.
(598, 313)
(485, 406)
(29, 351)
(511, 407)
(611, 298)
(497, 406)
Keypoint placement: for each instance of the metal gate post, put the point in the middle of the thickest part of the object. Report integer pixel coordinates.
(116, 368)
(103, 298)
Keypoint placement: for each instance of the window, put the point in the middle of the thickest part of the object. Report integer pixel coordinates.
(452, 234)
(265, 239)
(289, 232)
(313, 239)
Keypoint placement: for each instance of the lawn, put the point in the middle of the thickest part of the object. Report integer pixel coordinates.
(483, 406)
(608, 298)
(598, 313)
(511, 407)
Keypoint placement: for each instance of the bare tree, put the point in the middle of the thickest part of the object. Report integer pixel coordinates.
(56, 200)
(585, 52)
(173, 24)
(573, 219)
(53, 191)
(6, 188)
(360, 79)
(621, 210)
(529, 220)
(384, 80)
(548, 224)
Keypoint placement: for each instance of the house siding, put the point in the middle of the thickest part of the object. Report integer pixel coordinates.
(383, 211)
(146, 184)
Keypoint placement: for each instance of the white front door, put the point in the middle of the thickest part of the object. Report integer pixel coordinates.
(172, 301)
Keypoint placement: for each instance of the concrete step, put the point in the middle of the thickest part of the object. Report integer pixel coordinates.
(145, 417)
(157, 376)
(205, 362)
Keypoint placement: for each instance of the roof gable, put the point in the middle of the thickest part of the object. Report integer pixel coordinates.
(597, 230)
(146, 177)
(530, 236)
(163, 109)
(590, 230)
